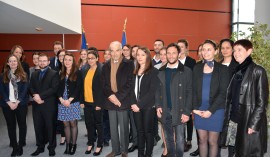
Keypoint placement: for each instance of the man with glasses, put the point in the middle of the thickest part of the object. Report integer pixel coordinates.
(117, 75)
(43, 87)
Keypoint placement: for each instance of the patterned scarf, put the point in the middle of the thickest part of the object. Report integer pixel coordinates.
(114, 68)
(13, 79)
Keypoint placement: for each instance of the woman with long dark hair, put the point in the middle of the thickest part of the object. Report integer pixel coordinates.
(93, 100)
(69, 93)
(14, 85)
(145, 84)
(210, 81)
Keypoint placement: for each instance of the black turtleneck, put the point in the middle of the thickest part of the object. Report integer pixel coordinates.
(235, 88)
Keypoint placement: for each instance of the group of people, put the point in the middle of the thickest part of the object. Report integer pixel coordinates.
(124, 98)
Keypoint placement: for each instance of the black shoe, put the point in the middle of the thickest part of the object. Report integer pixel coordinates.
(132, 148)
(20, 151)
(14, 152)
(67, 149)
(98, 153)
(51, 152)
(89, 151)
(37, 152)
(164, 155)
(195, 153)
(62, 143)
(187, 147)
(106, 144)
(73, 149)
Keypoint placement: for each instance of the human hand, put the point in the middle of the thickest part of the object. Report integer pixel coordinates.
(98, 108)
(159, 112)
(206, 114)
(251, 131)
(135, 108)
(198, 112)
(184, 118)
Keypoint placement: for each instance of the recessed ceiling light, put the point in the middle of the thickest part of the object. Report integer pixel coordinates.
(38, 29)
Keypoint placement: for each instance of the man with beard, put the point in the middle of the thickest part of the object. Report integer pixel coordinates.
(43, 87)
(174, 100)
(158, 44)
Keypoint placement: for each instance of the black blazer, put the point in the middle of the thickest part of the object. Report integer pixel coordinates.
(97, 91)
(46, 87)
(149, 83)
(190, 62)
(52, 64)
(74, 88)
(218, 86)
(124, 79)
(232, 66)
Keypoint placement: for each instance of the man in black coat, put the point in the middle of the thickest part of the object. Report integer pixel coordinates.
(43, 87)
(54, 64)
(117, 75)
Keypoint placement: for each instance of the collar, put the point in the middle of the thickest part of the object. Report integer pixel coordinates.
(180, 67)
(183, 60)
(45, 69)
(156, 60)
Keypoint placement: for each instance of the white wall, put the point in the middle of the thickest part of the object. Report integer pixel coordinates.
(262, 12)
(66, 13)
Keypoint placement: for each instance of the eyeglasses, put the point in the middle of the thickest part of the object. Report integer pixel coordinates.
(91, 58)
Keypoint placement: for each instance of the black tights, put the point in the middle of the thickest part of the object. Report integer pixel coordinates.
(208, 138)
(71, 131)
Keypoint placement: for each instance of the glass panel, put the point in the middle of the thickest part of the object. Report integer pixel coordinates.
(244, 28)
(235, 8)
(246, 10)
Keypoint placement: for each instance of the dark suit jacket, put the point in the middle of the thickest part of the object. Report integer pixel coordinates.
(149, 83)
(218, 87)
(74, 88)
(22, 92)
(124, 78)
(46, 87)
(52, 64)
(190, 62)
(97, 90)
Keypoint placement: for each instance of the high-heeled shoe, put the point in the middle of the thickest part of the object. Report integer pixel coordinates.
(73, 149)
(98, 153)
(14, 152)
(20, 151)
(67, 151)
(89, 151)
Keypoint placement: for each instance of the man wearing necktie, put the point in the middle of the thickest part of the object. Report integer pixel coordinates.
(43, 87)
(58, 45)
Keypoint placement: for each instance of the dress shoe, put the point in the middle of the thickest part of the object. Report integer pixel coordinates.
(37, 152)
(20, 151)
(73, 149)
(106, 144)
(51, 152)
(124, 154)
(67, 149)
(89, 151)
(98, 153)
(112, 154)
(14, 152)
(132, 148)
(195, 153)
(187, 147)
(163, 155)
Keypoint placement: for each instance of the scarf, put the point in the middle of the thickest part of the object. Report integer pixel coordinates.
(13, 79)
(240, 70)
(209, 63)
(114, 68)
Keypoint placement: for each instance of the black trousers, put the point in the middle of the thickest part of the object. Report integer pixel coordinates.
(189, 129)
(144, 121)
(93, 118)
(44, 118)
(11, 116)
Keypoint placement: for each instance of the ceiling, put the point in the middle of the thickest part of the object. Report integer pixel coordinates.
(17, 21)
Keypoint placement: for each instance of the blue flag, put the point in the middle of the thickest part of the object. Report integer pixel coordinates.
(84, 42)
(124, 38)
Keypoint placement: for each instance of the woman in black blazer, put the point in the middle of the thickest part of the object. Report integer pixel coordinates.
(145, 83)
(69, 94)
(93, 100)
(14, 85)
(210, 81)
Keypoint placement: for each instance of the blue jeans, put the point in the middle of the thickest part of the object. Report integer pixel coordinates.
(175, 149)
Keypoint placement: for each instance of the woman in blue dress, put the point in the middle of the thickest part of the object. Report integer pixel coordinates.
(70, 90)
(210, 81)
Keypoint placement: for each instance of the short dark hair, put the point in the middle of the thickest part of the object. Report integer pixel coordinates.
(44, 55)
(174, 45)
(134, 46)
(183, 41)
(211, 42)
(245, 43)
(160, 41)
(62, 50)
(93, 53)
(92, 49)
(36, 53)
(58, 43)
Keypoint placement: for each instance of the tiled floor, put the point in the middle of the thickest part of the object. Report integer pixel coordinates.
(5, 150)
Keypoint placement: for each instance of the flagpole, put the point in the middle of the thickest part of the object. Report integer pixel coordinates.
(125, 24)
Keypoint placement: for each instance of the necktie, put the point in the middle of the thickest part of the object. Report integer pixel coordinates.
(41, 74)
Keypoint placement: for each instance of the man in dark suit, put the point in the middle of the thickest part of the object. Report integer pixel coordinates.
(43, 87)
(189, 62)
(57, 45)
(117, 75)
